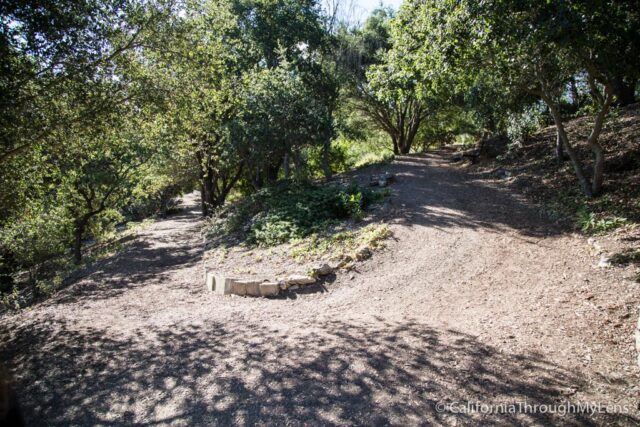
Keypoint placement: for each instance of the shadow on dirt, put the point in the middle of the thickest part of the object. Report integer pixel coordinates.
(430, 192)
(338, 373)
(141, 263)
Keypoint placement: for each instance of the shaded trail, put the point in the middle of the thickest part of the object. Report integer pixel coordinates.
(478, 298)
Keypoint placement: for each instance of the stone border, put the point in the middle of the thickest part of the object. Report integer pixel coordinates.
(225, 285)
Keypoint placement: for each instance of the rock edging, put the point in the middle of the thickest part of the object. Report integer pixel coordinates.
(225, 285)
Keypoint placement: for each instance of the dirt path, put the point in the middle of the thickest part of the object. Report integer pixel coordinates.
(478, 299)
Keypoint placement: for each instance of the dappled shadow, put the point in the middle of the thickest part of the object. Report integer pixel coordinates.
(431, 192)
(319, 287)
(145, 261)
(333, 373)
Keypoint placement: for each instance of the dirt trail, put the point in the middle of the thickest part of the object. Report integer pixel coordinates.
(477, 299)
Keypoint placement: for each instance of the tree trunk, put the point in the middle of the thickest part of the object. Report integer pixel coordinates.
(394, 138)
(405, 142)
(80, 225)
(594, 144)
(575, 161)
(272, 173)
(208, 194)
(326, 169)
(559, 151)
(598, 169)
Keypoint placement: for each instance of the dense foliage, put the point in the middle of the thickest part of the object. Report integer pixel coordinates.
(292, 210)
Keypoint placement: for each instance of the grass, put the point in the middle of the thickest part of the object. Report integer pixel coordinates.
(340, 244)
(373, 159)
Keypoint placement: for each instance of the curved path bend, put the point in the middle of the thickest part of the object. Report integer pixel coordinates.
(477, 300)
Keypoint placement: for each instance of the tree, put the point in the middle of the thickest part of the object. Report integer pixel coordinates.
(200, 72)
(55, 50)
(382, 90)
(389, 99)
(281, 116)
(99, 173)
(70, 87)
(533, 48)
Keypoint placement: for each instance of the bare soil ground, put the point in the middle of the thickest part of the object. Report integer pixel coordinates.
(535, 172)
(478, 298)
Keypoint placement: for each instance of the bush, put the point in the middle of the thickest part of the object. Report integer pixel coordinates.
(522, 125)
(29, 241)
(591, 222)
(291, 210)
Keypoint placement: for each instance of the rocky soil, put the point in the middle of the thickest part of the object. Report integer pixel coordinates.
(477, 298)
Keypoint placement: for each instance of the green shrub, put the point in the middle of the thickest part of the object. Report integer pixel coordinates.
(594, 223)
(35, 238)
(270, 230)
(291, 210)
(522, 125)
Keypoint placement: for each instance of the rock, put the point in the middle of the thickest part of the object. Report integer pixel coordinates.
(604, 262)
(493, 147)
(389, 177)
(381, 180)
(269, 289)
(238, 287)
(346, 262)
(218, 283)
(209, 281)
(335, 265)
(596, 246)
(252, 287)
(321, 269)
(502, 173)
(299, 279)
(363, 253)
(294, 287)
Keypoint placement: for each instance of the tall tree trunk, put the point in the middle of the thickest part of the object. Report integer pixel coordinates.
(203, 203)
(272, 173)
(559, 151)
(594, 144)
(208, 190)
(80, 225)
(575, 161)
(405, 147)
